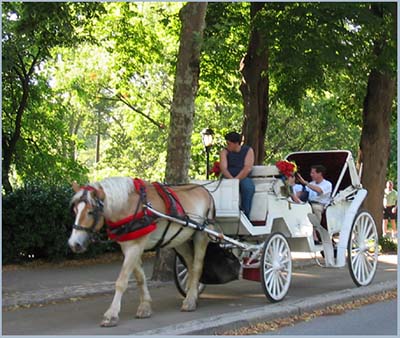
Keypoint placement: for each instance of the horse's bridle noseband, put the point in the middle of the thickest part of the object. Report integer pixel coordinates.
(96, 212)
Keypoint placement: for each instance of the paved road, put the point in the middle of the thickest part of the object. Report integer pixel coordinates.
(375, 319)
(220, 307)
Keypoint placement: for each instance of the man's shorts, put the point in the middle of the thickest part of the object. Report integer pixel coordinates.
(388, 213)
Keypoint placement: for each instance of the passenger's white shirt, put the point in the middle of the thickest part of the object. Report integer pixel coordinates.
(323, 198)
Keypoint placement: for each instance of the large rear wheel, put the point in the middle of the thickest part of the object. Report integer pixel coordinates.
(362, 249)
(276, 267)
(181, 276)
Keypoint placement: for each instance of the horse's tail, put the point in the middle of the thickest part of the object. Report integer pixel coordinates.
(211, 209)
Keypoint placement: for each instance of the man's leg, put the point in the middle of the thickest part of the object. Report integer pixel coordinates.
(384, 227)
(384, 222)
(247, 189)
(317, 210)
(394, 228)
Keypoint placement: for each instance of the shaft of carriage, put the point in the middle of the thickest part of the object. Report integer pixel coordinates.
(217, 235)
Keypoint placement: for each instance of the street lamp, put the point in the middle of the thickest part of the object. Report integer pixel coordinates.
(207, 138)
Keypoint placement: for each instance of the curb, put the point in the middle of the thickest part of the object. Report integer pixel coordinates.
(235, 320)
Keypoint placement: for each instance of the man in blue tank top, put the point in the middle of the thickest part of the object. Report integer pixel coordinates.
(236, 161)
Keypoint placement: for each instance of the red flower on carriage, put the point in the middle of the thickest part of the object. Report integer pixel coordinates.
(215, 170)
(286, 168)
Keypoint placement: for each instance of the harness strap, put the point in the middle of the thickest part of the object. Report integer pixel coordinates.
(172, 238)
(137, 225)
(174, 209)
(171, 200)
(144, 221)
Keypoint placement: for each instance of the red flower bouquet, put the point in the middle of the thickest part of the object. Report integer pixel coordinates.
(216, 170)
(286, 168)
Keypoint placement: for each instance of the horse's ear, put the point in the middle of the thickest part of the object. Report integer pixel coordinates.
(75, 186)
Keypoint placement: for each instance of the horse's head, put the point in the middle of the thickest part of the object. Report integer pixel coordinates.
(87, 205)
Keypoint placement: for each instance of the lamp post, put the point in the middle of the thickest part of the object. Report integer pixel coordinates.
(207, 138)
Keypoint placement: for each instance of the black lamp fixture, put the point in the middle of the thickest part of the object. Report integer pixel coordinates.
(207, 138)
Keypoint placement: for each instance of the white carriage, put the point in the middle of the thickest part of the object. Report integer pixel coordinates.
(278, 225)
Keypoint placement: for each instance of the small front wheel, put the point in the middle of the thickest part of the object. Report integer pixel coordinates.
(181, 276)
(276, 267)
(362, 249)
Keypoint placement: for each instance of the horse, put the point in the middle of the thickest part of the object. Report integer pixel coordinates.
(116, 200)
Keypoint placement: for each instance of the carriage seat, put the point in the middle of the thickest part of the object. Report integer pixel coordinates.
(264, 171)
(263, 177)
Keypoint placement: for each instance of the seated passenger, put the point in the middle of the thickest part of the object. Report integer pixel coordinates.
(319, 190)
(299, 192)
(236, 161)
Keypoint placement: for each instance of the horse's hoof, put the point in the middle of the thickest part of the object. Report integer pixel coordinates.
(188, 306)
(109, 322)
(143, 311)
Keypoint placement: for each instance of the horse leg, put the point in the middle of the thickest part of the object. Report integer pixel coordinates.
(186, 251)
(200, 241)
(132, 255)
(144, 309)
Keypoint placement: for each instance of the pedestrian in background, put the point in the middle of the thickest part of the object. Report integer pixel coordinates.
(389, 209)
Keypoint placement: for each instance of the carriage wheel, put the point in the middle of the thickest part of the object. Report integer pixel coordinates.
(276, 267)
(362, 249)
(181, 275)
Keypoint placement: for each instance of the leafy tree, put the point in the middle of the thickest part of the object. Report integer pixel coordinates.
(378, 105)
(30, 30)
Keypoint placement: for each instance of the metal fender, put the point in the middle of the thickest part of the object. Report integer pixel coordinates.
(278, 224)
(346, 228)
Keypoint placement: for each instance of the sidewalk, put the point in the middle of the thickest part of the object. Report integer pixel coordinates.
(43, 285)
(222, 306)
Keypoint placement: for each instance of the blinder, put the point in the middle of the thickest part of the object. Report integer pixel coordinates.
(96, 212)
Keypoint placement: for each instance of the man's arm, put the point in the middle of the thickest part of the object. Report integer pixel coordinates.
(223, 163)
(248, 165)
(313, 187)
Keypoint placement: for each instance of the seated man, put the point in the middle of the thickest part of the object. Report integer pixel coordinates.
(319, 190)
(236, 161)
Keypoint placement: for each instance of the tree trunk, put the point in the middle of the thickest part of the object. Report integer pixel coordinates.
(10, 144)
(375, 141)
(185, 88)
(164, 265)
(182, 112)
(254, 88)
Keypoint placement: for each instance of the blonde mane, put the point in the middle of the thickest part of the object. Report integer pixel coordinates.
(117, 191)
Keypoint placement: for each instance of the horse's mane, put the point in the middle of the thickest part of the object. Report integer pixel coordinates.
(117, 190)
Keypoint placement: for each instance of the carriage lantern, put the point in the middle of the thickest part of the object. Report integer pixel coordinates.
(207, 138)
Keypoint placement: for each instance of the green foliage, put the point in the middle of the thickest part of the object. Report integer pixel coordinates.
(393, 162)
(37, 222)
(106, 71)
(387, 245)
(35, 135)
(121, 76)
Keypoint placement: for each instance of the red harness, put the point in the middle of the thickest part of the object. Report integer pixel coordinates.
(171, 201)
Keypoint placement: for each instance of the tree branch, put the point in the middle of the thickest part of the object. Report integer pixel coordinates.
(120, 98)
